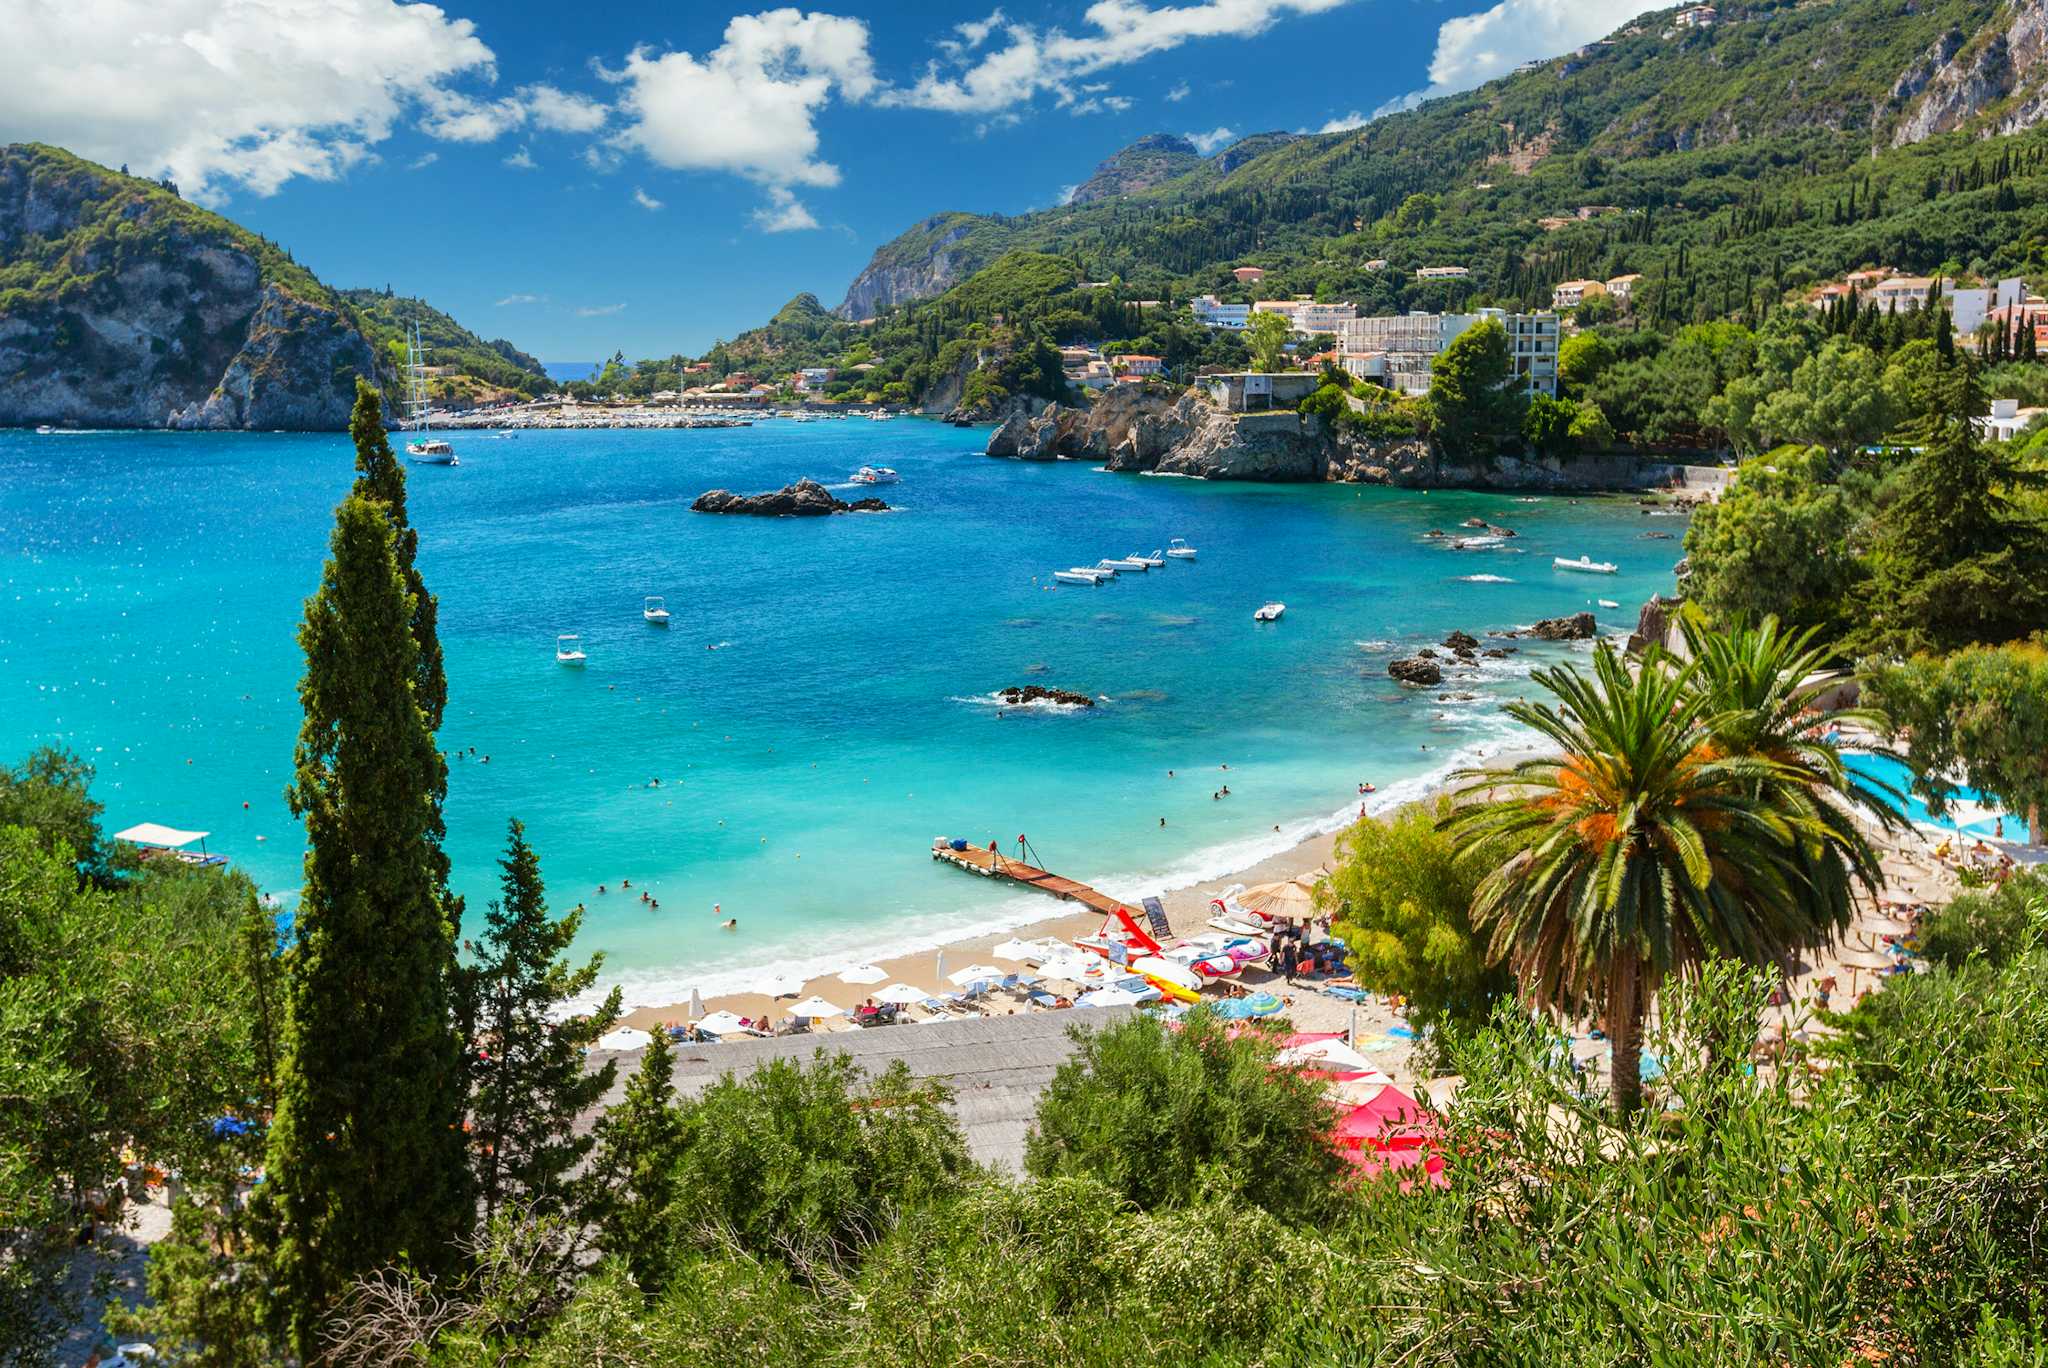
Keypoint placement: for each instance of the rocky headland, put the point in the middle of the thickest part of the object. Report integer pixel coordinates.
(1149, 429)
(804, 499)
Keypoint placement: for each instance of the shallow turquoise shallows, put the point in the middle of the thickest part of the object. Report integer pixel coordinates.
(821, 707)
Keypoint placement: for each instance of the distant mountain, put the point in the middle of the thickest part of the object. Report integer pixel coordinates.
(1151, 160)
(122, 305)
(1774, 99)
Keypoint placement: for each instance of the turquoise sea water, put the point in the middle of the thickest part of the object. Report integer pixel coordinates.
(820, 708)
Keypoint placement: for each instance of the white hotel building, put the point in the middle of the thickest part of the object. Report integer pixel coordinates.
(1396, 350)
(1214, 313)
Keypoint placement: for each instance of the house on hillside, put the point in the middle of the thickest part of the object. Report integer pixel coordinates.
(1212, 312)
(1622, 288)
(1698, 17)
(1443, 272)
(1569, 294)
(1138, 364)
(1248, 391)
(1249, 275)
(2007, 420)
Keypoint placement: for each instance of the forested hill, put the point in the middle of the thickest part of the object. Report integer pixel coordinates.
(1768, 115)
(123, 305)
(465, 367)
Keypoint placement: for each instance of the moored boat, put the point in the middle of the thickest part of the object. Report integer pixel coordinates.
(1269, 613)
(569, 650)
(875, 475)
(1179, 549)
(1584, 564)
(655, 610)
(1080, 574)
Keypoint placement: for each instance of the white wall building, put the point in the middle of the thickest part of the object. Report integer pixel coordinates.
(1212, 312)
(1396, 350)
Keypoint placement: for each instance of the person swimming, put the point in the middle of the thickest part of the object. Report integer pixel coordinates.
(730, 924)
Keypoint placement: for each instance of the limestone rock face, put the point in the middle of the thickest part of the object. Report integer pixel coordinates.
(296, 370)
(804, 499)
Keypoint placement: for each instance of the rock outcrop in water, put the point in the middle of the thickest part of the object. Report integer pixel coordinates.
(804, 499)
(1416, 670)
(1577, 627)
(1016, 696)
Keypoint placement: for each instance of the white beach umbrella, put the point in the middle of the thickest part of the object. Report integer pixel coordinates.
(720, 1022)
(862, 973)
(986, 973)
(1107, 997)
(815, 1007)
(784, 985)
(625, 1038)
(1014, 949)
(1333, 1055)
(1357, 1092)
(1075, 967)
(901, 994)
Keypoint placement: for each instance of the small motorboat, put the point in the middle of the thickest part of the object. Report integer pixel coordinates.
(1269, 613)
(1151, 562)
(1179, 549)
(875, 475)
(1080, 574)
(1106, 567)
(44, 430)
(569, 650)
(1584, 564)
(655, 610)
(1607, 603)
(1128, 563)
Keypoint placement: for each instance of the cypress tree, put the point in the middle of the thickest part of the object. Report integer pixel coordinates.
(637, 1164)
(366, 1156)
(525, 1055)
(379, 476)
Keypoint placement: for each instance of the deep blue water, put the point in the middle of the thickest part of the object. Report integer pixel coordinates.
(819, 710)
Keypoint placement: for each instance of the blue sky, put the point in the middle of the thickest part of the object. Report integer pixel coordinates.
(651, 177)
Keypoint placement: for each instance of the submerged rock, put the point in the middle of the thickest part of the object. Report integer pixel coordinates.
(1015, 696)
(804, 499)
(1415, 670)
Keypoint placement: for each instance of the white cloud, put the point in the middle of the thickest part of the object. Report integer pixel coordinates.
(1099, 104)
(1067, 192)
(1215, 138)
(1178, 93)
(749, 106)
(1473, 49)
(1034, 61)
(518, 299)
(1344, 123)
(785, 213)
(600, 310)
(522, 160)
(224, 93)
(973, 34)
(423, 161)
(456, 117)
(645, 200)
(562, 111)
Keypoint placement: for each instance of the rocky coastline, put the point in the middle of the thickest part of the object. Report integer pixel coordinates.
(1425, 668)
(1148, 429)
(804, 499)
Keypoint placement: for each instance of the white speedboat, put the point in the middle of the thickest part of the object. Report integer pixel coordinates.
(654, 610)
(1607, 603)
(1151, 562)
(880, 417)
(1179, 549)
(1585, 564)
(569, 650)
(1129, 563)
(874, 475)
(44, 430)
(1080, 574)
(1270, 613)
(1108, 567)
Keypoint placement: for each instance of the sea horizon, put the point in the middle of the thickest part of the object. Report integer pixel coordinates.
(824, 704)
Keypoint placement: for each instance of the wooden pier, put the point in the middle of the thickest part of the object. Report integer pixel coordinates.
(993, 864)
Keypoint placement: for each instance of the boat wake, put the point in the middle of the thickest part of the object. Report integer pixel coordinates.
(1485, 579)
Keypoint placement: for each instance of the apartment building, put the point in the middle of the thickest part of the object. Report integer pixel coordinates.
(1396, 350)
(1212, 312)
(1307, 317)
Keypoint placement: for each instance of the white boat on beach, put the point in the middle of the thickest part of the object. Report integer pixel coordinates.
(875, 475)
(1269, 613)
(1128, 563)
(1151, 562)
(1179, 549)
(424, 448)
(655, 610)
(1080, 574)
(1583, 564)
(569, 650)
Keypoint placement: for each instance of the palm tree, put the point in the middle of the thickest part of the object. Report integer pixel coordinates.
(1643, 848)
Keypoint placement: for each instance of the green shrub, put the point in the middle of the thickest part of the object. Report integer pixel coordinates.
(1994, 924)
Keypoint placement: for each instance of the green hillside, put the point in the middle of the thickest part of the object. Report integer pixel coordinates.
(472, 369)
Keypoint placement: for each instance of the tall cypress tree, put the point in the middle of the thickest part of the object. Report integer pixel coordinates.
(366, 1155)
(636, 1162)
(528, 1081)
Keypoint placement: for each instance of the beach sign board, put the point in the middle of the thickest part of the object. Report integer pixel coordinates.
(1155, 912)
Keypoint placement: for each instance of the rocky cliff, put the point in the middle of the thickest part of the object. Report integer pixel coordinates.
(1139, 429)
(928, 260)
(2001, 71)
(1152, 160)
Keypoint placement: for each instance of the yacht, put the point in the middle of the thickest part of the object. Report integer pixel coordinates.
(1583, 563)
(1080, 574)
(655, 611)
(1151, 562)
(1129, 563)
(569, 650)
(1270, 613)
(1179, 549)
(874, 475)
(879, 417)
(425, 448)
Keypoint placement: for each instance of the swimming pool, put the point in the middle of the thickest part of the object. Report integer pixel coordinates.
(1968, 812)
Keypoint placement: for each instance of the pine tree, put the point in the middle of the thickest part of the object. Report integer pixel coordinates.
(366, 1158)
(525, 1054)
(636, 1162)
